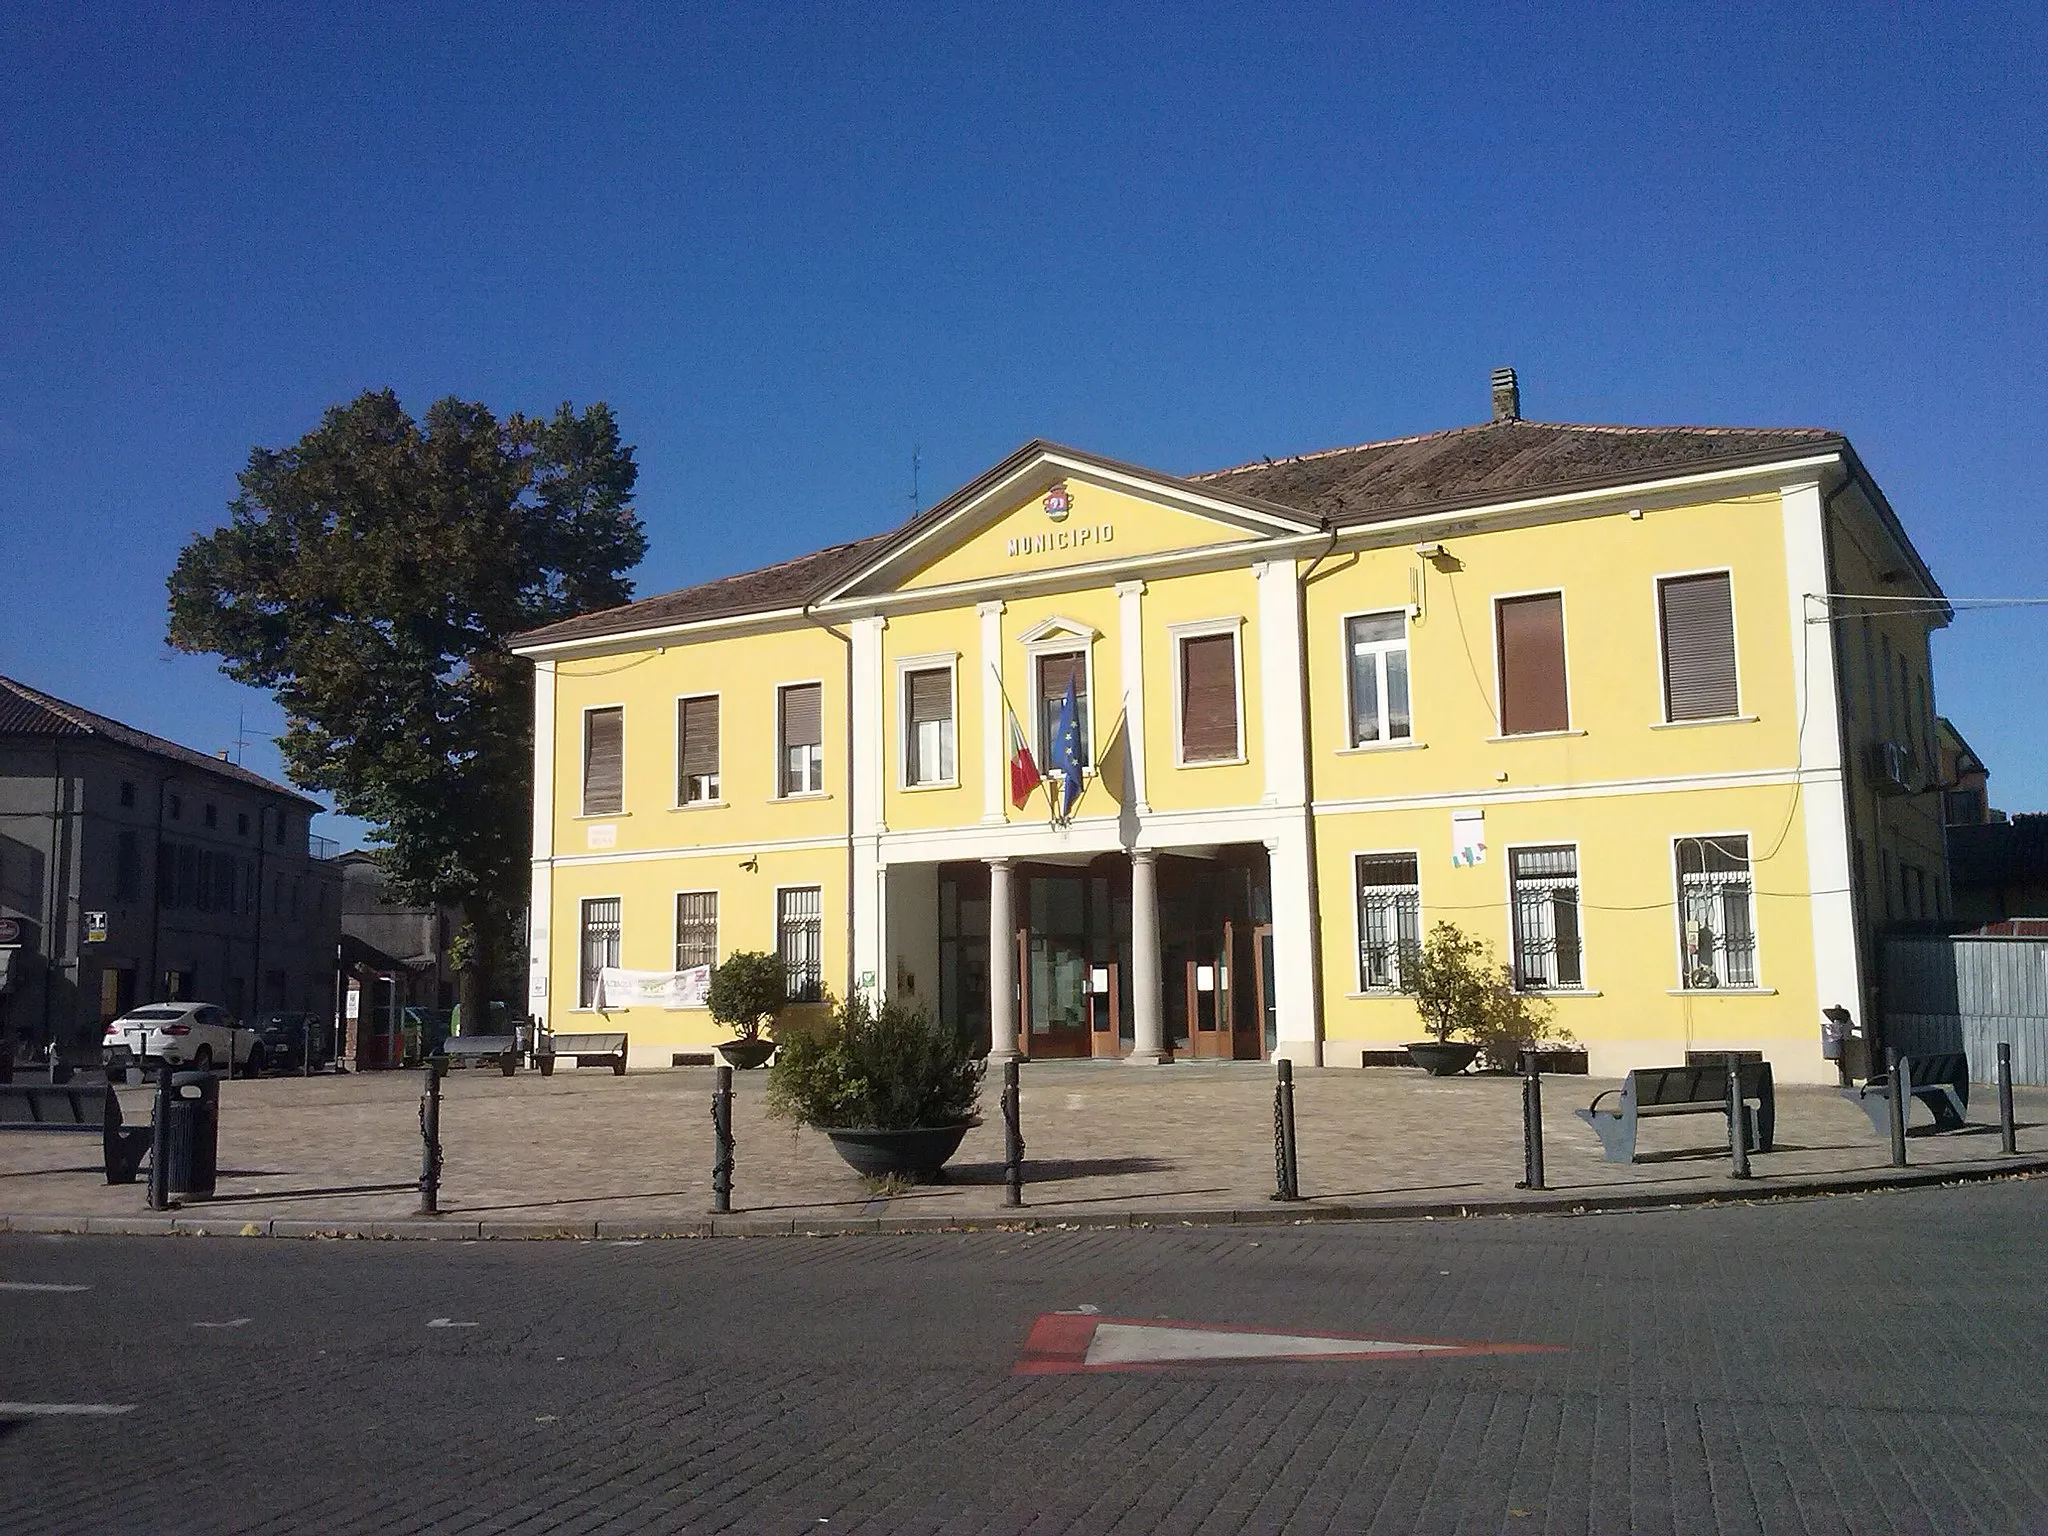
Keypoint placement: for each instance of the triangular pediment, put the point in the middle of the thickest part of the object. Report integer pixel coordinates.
(1056, 629)
(1045, 509)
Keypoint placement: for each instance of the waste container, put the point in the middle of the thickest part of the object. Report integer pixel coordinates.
(192, 1135)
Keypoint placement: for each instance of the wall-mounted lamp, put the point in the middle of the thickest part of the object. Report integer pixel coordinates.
(1430, 551)
(751, 863)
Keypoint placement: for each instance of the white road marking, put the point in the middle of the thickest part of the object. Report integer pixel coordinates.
(24, 1410)
(37, 1285)
(232, 1323)
(1135, 1343)
(448, 1322)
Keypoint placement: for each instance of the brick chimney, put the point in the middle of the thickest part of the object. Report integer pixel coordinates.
(1507, 396)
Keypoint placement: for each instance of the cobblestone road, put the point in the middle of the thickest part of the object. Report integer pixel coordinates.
(1841, 1365)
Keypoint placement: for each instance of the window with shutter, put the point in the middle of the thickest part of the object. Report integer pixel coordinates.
(1379, 677)
(928, 726)
(800, 708)
(1699, 647)
(604, 781)
(1208, 698)
(1532, 687)
(697, 750)
(1055, 672)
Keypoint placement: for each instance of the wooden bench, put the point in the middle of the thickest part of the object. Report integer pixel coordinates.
(1699, 1089)
(500, 1051)
(584, 1051)
(78, 1109)
(1942, 1083)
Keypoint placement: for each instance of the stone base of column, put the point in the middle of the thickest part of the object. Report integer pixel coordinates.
(1003, 1054)
(1149, 1059)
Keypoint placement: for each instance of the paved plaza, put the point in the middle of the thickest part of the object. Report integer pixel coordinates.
(584, 1152)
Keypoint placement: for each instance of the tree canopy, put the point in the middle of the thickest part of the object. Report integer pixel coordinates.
(371, 576)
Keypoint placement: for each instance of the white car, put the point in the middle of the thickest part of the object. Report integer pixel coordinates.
(198, 1035)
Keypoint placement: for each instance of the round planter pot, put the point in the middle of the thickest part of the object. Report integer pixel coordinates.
(919, 1153)
(1445, 1059)
(745, 1055)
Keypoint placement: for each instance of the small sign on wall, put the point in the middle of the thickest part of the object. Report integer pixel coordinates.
(95, 927)
(1468, 838)
(601, 834)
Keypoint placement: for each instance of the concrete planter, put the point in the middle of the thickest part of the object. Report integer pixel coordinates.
(1443, 1058)
(918, 1153)
(745, 1055)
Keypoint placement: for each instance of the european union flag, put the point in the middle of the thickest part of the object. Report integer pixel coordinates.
(1065, 757)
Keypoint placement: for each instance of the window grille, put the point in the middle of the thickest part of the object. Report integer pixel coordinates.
(600, 947)
(800, 923)
(696, 929)
(1389, 919)
(1717, 912)
(1544, 888)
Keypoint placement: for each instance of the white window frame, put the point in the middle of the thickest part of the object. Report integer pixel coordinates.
(777, 920)
(1756, 946)
(1078, 638)
(933, 661)
(1194, 630)
(583, 765)
(1358, 857)
(1564, 631)
(717, 922)
(1405, 614)
(1663, 668)
(683, 803)
(781, 748)
(1583, 984)
(582, 905)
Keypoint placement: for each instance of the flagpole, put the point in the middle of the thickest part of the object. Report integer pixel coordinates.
(1050, 820)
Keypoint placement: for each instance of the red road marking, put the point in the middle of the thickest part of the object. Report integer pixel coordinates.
(1066, 1344)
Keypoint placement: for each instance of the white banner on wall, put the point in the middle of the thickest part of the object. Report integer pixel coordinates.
(653, 989)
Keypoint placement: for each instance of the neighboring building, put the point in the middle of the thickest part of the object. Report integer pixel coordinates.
(2000, 874)
(407, 941)
(1965, 781)
(134, 870)
(1594, 693)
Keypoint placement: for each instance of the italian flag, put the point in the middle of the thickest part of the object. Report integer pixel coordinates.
(1024, 774)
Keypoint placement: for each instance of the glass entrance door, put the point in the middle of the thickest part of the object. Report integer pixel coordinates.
(1053, 958)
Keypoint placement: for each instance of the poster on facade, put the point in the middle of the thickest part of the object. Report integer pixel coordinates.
(618, 988)
(1468, 838)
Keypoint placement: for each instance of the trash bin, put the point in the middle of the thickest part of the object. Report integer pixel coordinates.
(192, 1136)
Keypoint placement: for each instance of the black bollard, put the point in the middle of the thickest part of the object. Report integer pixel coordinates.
(1532, 1124)
(1738, 1121)
(1286, 1169)
(2008, 1139)
(1897, 1067)
(722, 1155)
(1013, 1138)
(430, 1138)
(160, 1144)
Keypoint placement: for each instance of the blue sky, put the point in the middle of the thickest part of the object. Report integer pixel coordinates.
(789, 244)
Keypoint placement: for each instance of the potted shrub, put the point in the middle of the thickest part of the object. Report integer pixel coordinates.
(1514, 1022)
(894, 1091)
(747, 992)
(1451, 979)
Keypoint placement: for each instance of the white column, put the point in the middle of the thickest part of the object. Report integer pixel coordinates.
(1837, 962)
(1281, 674)
(1002, 964)
(1291, 867)
(995, 735)
(869, 764)
(540, 913)
(1130, 624)
(1148, 1014)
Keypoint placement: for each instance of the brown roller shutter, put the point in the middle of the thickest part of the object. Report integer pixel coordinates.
(1532, 695)
(1699, 647)
(1208, 710)
(802, 720)
(603, 762)
(931, 696)
(700, 736)
(1055, 672)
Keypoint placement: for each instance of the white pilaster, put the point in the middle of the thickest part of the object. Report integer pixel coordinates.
(1837, 962)
(870, 763)
(1281, 673)
(995, 735)
(1292, 868)
(1002, 963)
(540, 911)
(1148, 1012)
(1130, 624)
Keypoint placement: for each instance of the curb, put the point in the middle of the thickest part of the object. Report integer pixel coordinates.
(1308, 1213)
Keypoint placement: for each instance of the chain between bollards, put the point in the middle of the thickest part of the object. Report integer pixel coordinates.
(1738, 1121)
(1900, 1088)
(160, 1144)
(722, 1156)
(1532, 1124)
(430, 1138)
(2008, 1139)
(1286, 1169)
(1013, 1138)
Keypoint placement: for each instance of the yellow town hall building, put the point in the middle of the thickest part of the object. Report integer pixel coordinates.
(1650, 709)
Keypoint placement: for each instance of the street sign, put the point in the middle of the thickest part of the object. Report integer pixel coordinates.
(1070, 1343)
(95, 927)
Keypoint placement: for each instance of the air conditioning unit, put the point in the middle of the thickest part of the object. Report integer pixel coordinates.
(1891, 767)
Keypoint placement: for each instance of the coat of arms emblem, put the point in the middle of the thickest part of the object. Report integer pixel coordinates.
(1058, 503)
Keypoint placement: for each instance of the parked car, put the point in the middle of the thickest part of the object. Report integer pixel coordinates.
(285, 1036)
(201, 1035)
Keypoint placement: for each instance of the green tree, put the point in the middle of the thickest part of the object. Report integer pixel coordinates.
(747, 989)
(1451, 980)
(370, 577)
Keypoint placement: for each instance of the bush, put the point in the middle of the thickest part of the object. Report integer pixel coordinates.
(866, 1068)
(1513, 1022)
(1450, 980)
(747, 991)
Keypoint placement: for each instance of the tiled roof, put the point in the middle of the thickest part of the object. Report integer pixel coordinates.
(1377, 481)
(26, 711)
(1369, 483)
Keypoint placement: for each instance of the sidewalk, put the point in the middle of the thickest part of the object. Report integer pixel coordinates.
(587, 1154)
